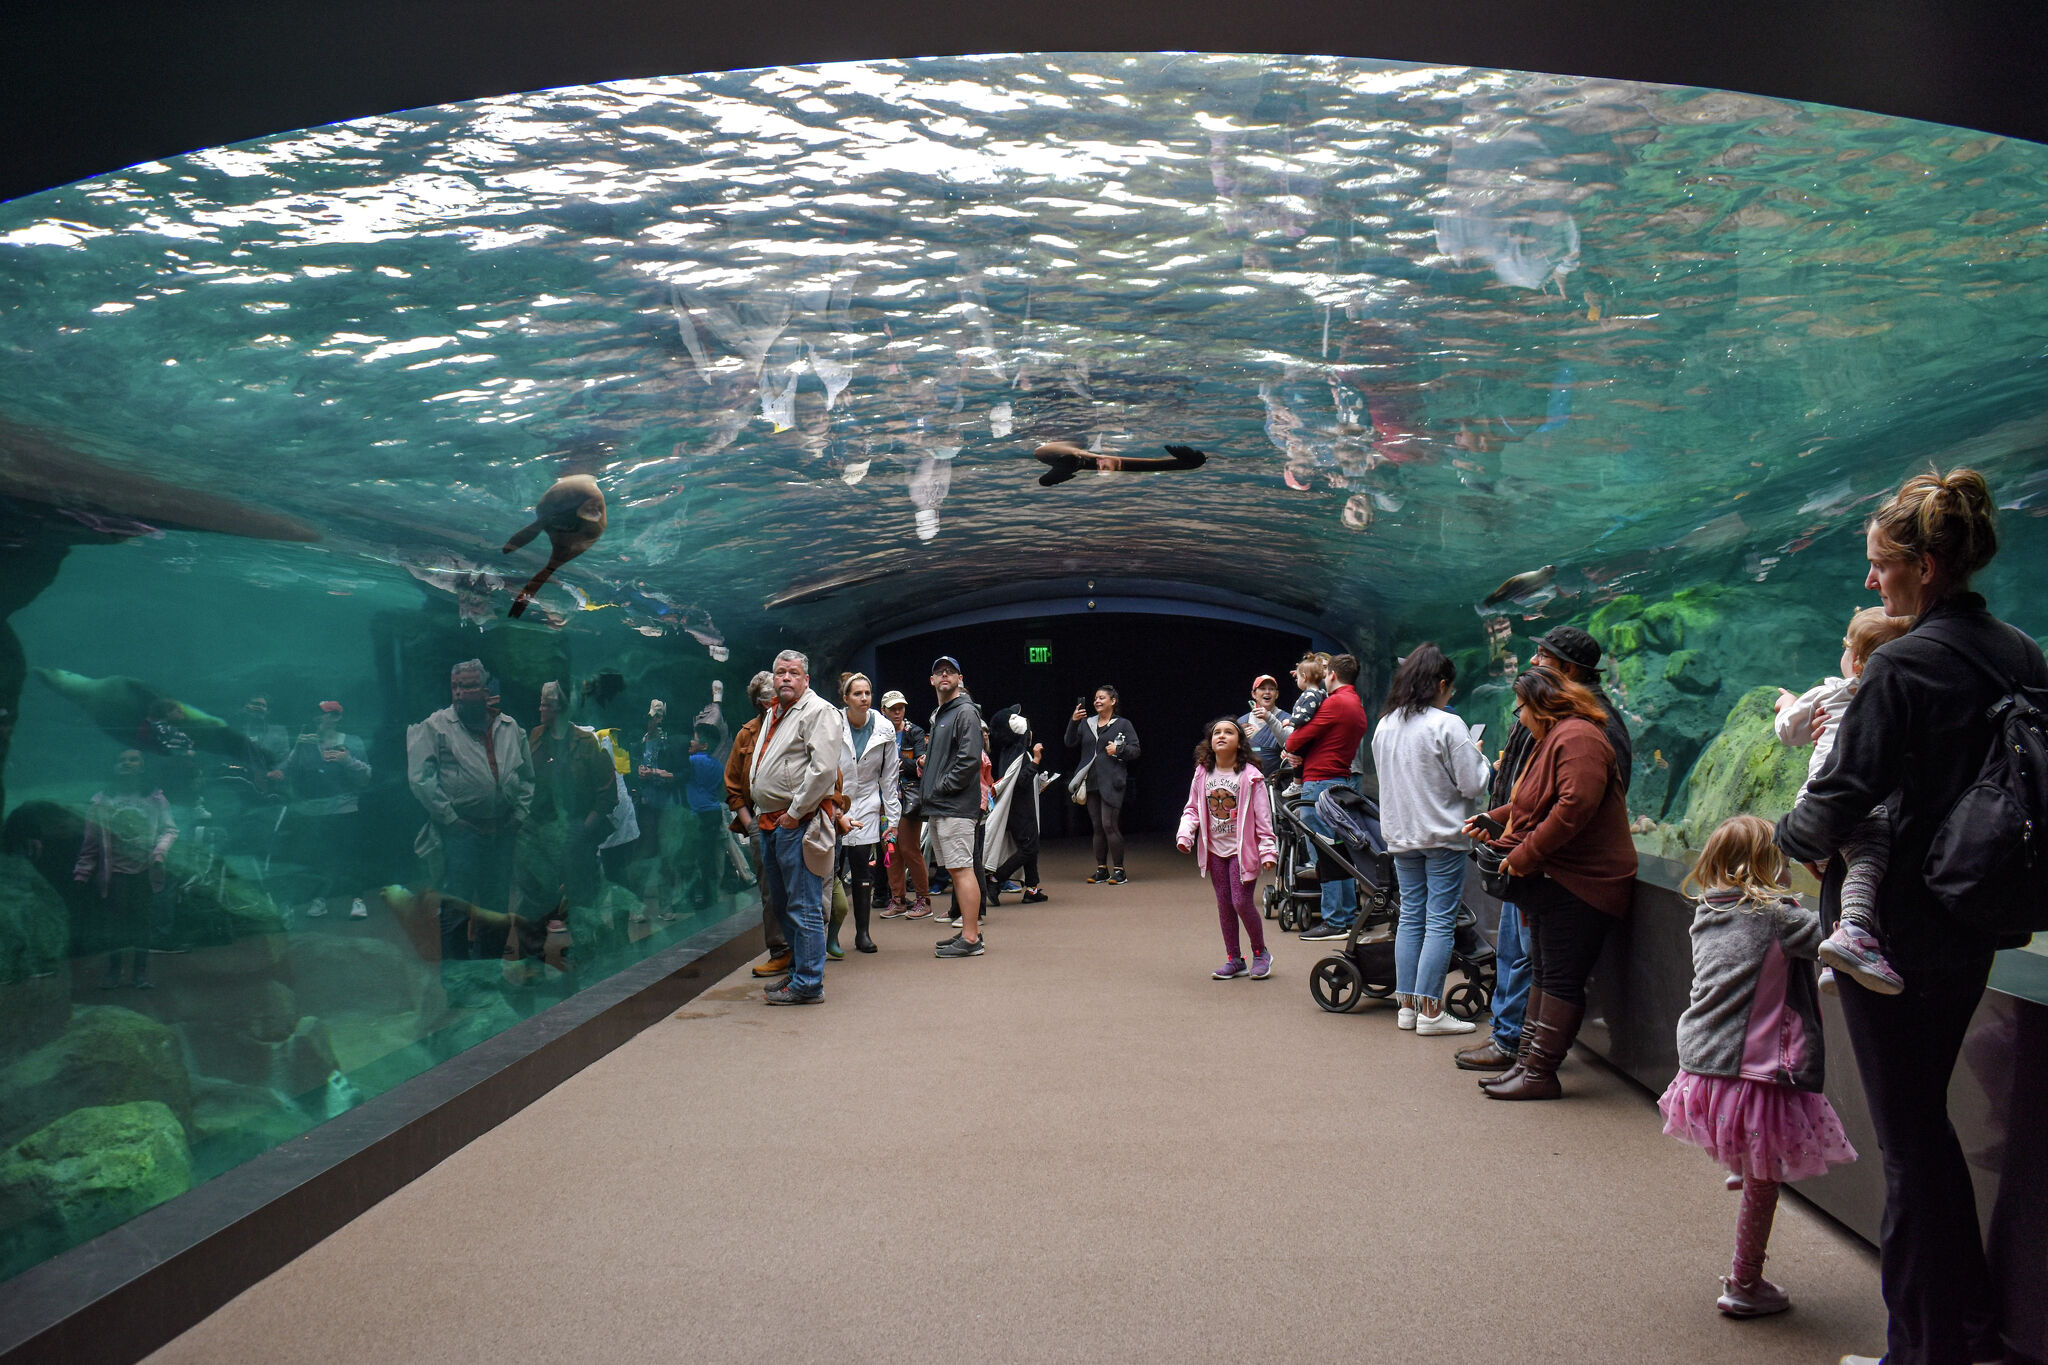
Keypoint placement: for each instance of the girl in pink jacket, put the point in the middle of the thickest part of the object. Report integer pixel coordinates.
(1228, 826)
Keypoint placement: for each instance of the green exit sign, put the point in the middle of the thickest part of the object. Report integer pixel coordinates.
(1038, 651)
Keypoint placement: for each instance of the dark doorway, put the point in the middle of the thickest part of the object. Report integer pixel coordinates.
(1174, 674)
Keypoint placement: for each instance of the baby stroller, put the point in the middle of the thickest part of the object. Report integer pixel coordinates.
(1294, 898)
(1364, 965)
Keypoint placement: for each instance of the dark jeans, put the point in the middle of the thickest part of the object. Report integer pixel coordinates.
(1511, 980)
(1931, 1253)
(479, 870)
(1109, 834)
(1565, 936)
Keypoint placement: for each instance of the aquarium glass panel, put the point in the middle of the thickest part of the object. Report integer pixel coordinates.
(1440, 353)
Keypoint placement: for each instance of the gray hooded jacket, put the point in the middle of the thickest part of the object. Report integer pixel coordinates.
(1755, 1011)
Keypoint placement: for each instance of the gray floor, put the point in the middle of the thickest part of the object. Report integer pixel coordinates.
(1077, 1147)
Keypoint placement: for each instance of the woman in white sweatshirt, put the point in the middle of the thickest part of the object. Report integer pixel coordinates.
(868, 775)
(1432, 774)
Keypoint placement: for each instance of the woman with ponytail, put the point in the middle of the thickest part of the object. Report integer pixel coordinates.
(1918, 728)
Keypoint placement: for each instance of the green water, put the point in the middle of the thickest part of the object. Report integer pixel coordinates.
(1434, 327)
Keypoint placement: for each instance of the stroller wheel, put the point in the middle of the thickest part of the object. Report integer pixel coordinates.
(1466, 1000)
(1270, 901)
(1379, 990)
(1334, 983)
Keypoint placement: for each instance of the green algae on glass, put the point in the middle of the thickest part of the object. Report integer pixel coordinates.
(1645, 355)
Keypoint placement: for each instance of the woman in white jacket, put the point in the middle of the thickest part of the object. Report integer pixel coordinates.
(868, 776)
(1432, 774)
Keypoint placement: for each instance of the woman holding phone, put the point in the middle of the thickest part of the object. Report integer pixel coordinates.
(326, 773)
(1108, 744)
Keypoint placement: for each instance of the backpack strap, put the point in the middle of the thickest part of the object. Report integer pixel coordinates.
(2004, 687)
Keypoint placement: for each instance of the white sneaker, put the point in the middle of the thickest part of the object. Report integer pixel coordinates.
(1430, 1025)
(316, 909)
(1405, 1019)
(357, 910)
(1826, 985)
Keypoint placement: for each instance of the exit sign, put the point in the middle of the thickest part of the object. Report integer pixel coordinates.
(1038, 651)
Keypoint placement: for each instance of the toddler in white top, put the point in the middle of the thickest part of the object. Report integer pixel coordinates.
(1814, 716)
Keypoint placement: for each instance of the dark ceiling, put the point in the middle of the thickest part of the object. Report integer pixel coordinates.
(94, 85)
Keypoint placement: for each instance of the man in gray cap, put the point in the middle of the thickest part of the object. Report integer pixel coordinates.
(1575, 654)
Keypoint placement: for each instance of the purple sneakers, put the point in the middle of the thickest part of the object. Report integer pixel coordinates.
(1856, 951)
(1230, 969)
(1262, 966)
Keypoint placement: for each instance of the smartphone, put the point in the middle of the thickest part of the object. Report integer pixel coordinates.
(1493, 828)
(1478, 732)
(1080, 703)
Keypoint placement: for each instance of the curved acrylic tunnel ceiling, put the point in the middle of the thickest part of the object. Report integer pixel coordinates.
(1434, 327)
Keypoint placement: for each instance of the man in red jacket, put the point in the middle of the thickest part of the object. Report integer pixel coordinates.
(1326, 744)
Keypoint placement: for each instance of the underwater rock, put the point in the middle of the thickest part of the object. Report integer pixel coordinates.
(92, 1169)
(1744, 770)
(1692, 670)
(106, 1056)
(232, 1123)
(35, 928)
(335, 975)
(296, 1063)
(1664, 626)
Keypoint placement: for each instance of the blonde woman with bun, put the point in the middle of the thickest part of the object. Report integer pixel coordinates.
(1919, 728)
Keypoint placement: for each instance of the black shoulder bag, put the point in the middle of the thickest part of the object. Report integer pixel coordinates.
(1986, 863)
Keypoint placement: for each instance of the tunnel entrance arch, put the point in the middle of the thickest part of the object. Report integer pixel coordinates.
(1175, 668)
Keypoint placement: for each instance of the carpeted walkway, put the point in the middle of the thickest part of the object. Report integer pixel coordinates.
(1077, 1147)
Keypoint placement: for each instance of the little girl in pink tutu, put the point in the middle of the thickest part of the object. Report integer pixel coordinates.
(1748, 1091)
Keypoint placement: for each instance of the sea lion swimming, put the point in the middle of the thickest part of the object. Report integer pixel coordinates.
(1068, 459)
(121, 706)
(572, 513)
(1521, 585)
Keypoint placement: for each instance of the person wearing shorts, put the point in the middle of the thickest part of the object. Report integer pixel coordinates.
(949, 794)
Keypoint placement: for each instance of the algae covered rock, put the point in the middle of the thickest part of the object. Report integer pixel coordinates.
(1744, 770)
(91, 1170)
(35, 926)
(106, 1056)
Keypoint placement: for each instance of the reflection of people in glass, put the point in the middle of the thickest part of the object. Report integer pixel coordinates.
(704, 795)
(473, 773)
(326, 774)
(660, 774)
(575, 788)
(269, 739)
(128, 834)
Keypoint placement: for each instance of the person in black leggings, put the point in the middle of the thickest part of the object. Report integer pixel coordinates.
(1571, 868)
(1108, 744)
(1919, 727)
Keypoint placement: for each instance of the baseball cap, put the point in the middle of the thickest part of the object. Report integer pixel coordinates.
(948, 663)
(1264, 678)
(331, 707)
(1572, 645)
(894, 698)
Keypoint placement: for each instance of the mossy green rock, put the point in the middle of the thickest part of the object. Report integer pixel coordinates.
(1744, 770)
(35, 928)
(1664, 626)
(106, 1056)
(91, 1170)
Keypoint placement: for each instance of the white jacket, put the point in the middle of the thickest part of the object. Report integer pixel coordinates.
(1791, 725)
(873, 791)
(797, 766)
(1431, 778)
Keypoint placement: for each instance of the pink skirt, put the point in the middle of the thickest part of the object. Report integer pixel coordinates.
(1756, 1129)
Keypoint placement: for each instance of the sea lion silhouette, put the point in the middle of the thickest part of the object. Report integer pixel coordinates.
(572, 513)
(120, 705)
(1521, 585)
(1068, 459)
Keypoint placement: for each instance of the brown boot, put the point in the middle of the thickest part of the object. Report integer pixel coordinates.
(1551, 1038)
(777, 965)
(1486, 1057)
(1531, 1010)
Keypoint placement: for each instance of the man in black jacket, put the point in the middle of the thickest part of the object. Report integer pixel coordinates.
(950, 796)
(1576, 655)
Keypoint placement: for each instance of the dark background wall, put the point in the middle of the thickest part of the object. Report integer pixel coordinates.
(1173, 674)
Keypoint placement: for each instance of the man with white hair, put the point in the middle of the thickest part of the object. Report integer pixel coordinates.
(473, 773)
(793, 772)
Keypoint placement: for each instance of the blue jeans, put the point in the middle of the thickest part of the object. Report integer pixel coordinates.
(1431, 880)
(1340, 899)
(1511, 989)
(800, 902)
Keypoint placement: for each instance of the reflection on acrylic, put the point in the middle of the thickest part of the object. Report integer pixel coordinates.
(1465, 354)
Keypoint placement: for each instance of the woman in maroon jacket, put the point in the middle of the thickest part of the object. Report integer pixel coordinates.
(1572, 866)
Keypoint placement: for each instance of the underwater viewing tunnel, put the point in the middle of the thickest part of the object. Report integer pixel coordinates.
(1469, 353)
